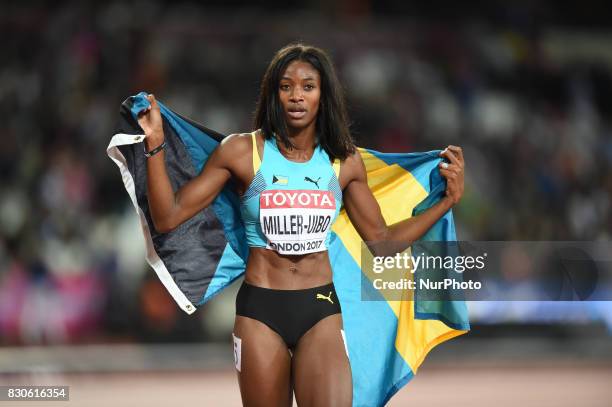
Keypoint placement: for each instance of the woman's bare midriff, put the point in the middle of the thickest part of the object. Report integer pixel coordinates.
(266, 268)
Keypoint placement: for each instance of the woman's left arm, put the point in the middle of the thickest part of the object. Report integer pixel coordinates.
(364, 211)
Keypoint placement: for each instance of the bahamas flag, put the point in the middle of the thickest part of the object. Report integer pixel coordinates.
(387, 340)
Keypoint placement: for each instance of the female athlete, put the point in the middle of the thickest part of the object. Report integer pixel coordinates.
(293, 174)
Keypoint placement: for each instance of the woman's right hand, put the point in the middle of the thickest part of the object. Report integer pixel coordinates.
(150, 121)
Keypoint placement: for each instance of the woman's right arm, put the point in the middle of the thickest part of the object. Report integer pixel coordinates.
(170, 209)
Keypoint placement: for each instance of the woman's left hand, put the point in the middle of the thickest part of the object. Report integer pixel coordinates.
(453, 172)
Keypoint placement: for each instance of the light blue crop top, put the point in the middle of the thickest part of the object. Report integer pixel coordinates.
(291, 206)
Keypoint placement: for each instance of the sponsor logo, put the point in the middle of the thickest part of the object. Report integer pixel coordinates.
(299, 198)
(323, 297)
(313, 181)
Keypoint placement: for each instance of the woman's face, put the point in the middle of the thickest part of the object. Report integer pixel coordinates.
(299, 92)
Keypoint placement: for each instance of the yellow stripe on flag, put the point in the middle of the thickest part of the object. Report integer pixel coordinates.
(397, 192)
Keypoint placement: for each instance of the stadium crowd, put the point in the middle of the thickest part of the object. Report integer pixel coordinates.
(527, 104)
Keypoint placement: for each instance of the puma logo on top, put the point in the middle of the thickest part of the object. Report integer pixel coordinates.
(313, 181)
(323, 297)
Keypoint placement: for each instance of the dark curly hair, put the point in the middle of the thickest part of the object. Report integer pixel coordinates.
(332, 125)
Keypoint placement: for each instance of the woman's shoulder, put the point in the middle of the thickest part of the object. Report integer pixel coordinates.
(237, 140)
(353, 160)
(237, 144)
(352, 168)
(235, 150)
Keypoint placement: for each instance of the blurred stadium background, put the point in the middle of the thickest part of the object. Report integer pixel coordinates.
(523, 86)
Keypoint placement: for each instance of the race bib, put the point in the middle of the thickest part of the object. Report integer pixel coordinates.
(296, 221)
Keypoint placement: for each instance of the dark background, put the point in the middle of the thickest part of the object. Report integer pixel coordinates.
(524, 87)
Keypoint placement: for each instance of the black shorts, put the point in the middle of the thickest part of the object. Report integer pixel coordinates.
(290, 313)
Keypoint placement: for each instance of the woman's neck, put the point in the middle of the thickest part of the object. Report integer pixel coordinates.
(303, 141)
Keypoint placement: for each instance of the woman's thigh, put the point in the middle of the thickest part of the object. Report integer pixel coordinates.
(321, 369)
(263, 364)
